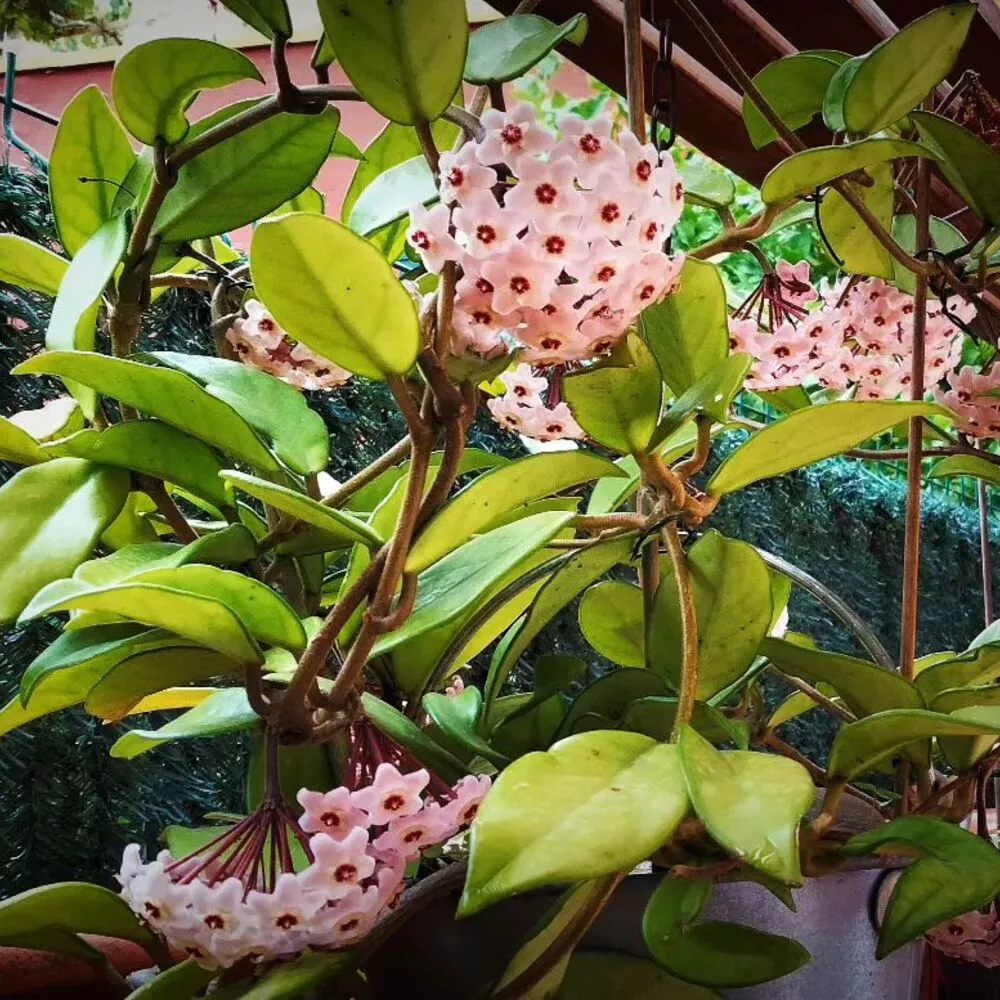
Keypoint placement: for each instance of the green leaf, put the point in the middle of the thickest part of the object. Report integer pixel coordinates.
(850, 236)
(17, 445)
(265, 16)
(271, 407)
(979, 665)
(463, 576)
(170, 395)
(731, 586)
(406, 59)
(30, 266)
(751, 803)
(91, 157)
(357, 314)
(553, 674)
(810, 435)
(944, 237)
(301, 977)
(956, 872)
(72, 906)
(152, 448)
(392, 194)
(688, 332)
(966, 465)
(729, 955)
(130, 680)
(865, 687)
(833, 100)
(499, 492)
(618, 404)
(154, 83)
(971, 166)
(609, 697)
(51, 516)
(706, 183)
(506, 49)
(398, 727)
(611, 620)
(226, 711)
(243, 178)
(182, 981)
(803, 172)
(860, 746)
(546, 934)
(900, 72)
(458, 718)
(309, 200)
(611, 492)
(794, 86)
(340, 528)
(675, 905)
(963, 752)
(654, 715)
(598, 975)
(592, 805)
(344, 145)
(572, 579)
(203, 619)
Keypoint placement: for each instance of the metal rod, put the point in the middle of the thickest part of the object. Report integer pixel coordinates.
(837, 606)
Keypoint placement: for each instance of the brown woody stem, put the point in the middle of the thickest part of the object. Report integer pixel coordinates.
(689, 631)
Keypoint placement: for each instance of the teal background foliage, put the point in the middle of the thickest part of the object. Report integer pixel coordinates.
(68, 808)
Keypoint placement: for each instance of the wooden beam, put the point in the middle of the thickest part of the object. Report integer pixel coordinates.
(761, 26)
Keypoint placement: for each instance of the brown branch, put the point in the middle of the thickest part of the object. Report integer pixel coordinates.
(689, 631)
(693, 465)
(157, 492)
(817, 696)
(195, 282)
(396, 454)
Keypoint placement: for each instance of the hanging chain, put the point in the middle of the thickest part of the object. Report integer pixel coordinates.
(664, 112)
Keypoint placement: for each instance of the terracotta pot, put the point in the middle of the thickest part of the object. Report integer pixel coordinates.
(41, 975)
(455, 960)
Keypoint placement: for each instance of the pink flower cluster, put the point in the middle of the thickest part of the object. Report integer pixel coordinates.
(860, 337)
(966, 395)
(260, 342)
(559, 239)
(522, 408)
(972, 937)
(230, 901)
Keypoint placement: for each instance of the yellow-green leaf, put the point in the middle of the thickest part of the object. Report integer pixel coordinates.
(30, 266)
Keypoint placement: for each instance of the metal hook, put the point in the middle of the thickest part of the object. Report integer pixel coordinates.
(10, 106)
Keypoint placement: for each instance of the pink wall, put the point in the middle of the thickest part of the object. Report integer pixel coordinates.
(52, 90)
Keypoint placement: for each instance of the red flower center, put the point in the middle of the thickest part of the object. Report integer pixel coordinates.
(555, 244)
(482, 285)
(331, 820)
(546, 194)
(482, 317)
(152, 909)
(456, 177)
(519, 284)
(644, 170)
(647, 292)
(266, 325)
(287, 921)
(781, 351)
(394, 802)
(606, 273)
(551, 429)
(589, 143)
(349, 925)
(652, 231)
(512, 134)
(485, 233)
(519, 390)
(678, 191)
(214, 922)
(551, 343)
(610, 212)
(345, 873)
(421, 240)
(413, 837)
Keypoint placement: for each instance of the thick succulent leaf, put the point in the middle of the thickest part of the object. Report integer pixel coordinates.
(611, 620)
(849, 234)
(597, 975)
(51, 516)
(406, 59)
(91, 157)
(976, 666)
(265, 16)
(30, 266)
(810, 435)
(751, 803)
(506, 49)
(610, 698)
(358, 314)
(458, 718)
(956, 873)
(159, 392)
(501, 492)
(653, 715)
(180, 982)
(594, 804)
(17, 445)
(154, 83)
(272, 407)
(392, 194)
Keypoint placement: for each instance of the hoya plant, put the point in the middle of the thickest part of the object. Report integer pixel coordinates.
(175, 514)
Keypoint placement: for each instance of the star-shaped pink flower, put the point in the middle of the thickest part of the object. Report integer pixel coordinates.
(391, 794)
(519, 279)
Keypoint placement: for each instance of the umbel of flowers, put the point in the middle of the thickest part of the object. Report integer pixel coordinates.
(272, 885)
(559, 242)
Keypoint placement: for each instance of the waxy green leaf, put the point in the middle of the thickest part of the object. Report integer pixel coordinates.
(731, 586)
(506, 49)
(30, 266)
(611, 620)
(706, 183)
(265, 16)
(810, 435)
(271, 407)
(849, 235)
(976, 666)
(499, 492)
(458, 718)
(962, 752)
(971, 166)
(153, 448)
(154, 83)
(51, 516)
(833, 100)
(159, 392)
(618, 402)
(304, 976)
(357, 314)
(226, 711)
(803, 172)
(860, 746)
(957, 872)
(180, 982)
(91, 158)
(17, 445)
(406, 59)
(609, 698)
(751, 803)
(966, 465)
(688, 332)
(900, 72)
(392, 194)
(243, 178)
(597, 975)
(794, 86)
(592, 805)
